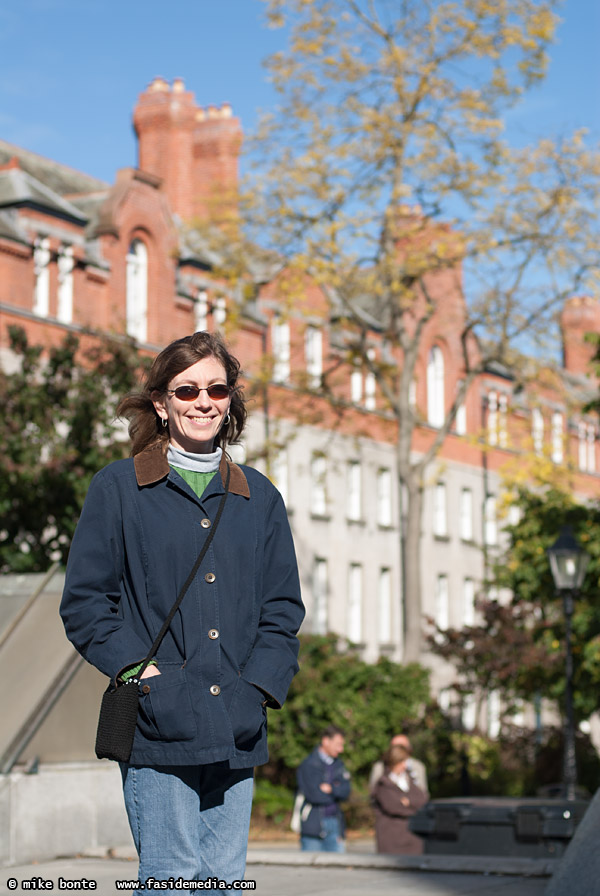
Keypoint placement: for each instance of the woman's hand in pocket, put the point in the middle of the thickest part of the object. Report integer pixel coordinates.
(150, 672)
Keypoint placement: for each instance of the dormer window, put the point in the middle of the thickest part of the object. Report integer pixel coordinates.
(137, 291)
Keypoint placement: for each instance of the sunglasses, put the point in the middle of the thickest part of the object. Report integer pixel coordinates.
(190, 393)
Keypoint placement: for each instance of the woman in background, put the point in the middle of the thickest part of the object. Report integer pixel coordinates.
(396, 797)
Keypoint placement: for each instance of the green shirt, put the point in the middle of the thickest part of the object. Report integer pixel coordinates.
(196, 481)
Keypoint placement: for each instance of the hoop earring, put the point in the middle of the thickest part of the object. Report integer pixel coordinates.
(165, 422)
(227, 419)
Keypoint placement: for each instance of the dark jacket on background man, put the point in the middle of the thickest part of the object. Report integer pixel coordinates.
(313, 772)
(231, 649)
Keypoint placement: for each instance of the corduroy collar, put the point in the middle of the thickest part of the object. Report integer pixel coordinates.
(151, 466)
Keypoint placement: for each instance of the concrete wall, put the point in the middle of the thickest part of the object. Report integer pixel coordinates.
(63, 810)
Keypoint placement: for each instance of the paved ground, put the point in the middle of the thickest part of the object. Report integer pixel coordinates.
(287, 872)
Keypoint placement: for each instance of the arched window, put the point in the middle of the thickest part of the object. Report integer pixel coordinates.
(137, 291)
(435, 388)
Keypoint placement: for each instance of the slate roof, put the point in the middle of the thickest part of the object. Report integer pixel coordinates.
(19, 188)
(59, 178)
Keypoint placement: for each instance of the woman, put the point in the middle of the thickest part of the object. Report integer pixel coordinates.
(231, 649)
(396, 798)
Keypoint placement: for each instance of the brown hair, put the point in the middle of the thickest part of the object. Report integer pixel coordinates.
(394, 755)
(145, 426)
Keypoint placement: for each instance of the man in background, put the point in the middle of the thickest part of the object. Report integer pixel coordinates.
(325, 783)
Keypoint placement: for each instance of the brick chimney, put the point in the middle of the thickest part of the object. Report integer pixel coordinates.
(580, 315)
(194, 151)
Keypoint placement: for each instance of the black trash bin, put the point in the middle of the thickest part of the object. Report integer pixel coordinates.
(498, 826)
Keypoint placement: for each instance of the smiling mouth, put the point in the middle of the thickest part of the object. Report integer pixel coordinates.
(201, 421)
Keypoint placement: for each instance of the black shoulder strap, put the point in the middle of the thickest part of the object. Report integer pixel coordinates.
(189, 580)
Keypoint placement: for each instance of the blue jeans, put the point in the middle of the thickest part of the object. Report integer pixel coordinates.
(189, 821)
(331, 842)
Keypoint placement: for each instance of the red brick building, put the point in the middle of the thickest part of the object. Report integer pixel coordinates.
(78, 254)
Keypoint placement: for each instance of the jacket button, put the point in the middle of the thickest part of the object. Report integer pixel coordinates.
(205, 523)
(146, 689)
(213, 634)
(215, 690)
(210, 577)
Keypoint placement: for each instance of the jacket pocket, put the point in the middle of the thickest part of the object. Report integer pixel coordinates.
(247, 715)
(166, 707)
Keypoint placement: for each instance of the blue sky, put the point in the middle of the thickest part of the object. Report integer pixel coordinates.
(72, 70)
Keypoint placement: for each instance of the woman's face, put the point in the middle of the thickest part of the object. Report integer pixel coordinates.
(194, 424)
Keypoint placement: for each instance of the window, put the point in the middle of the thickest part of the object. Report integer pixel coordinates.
(201, 311)
(363, 389)
(318, 481)
(41, 262)
(582, 454)
(280, 472)
(435, 388)
(461, 415)
(320, 594)
(514, 515)
(384, 497)
(503, 420)
(591, 440)
(356, 386)
(355, 603)
(493, 713)
(587, 447)
(440, 519)
(370, 392)
(65, 266)
(490, 521)
(557, 437)
(442, 602)
(353, 484)
(384, 606)
(468, 602)
(281, 351)
(220, 311)
(469, 712)
(313, 347)
(537, 430)
(466, 514)
(492, 421)
(137, 291)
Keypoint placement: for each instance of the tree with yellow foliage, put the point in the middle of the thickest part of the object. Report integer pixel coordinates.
(384, 174)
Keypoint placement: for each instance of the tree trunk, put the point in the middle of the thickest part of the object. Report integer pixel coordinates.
(411, 560)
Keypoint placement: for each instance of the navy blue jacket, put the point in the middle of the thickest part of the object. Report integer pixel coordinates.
(231, 648)
(313, 772)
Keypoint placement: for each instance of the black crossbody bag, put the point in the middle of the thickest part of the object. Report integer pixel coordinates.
(120, 701)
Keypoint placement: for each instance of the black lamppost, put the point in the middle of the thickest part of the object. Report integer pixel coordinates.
(568, 564)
